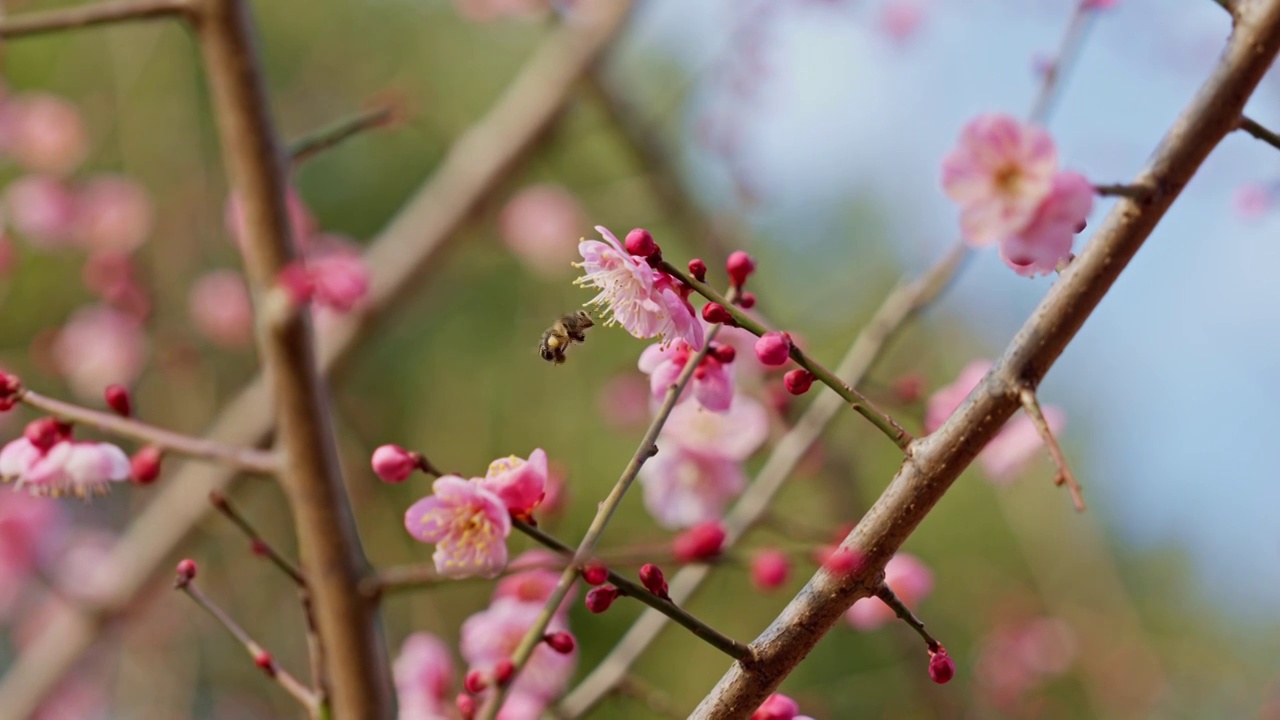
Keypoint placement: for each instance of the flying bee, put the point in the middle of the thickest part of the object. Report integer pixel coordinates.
(567, 330)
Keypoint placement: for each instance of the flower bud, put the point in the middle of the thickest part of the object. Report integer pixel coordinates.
(262, 659)
(773, 348)
(724, 353)
(798, 381)
(393, 463)
(739, 266)
(258, 547)
(562, 642)
(186, 572)
(941, 667)
(653, 580)
(909, 387)
(503, 671)
(118, 400)
(698, 269)
(747, 301)
(10, 385)
(43, 433)
(594, 572)
(466, 706)
(770, 568)
(698, 543)
(475, 682)
(640, 243)
(776, 707)
(144, 466)
(838, 560)
(600, 598)
(716, 314)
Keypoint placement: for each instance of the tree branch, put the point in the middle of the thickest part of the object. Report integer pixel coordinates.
(308, 146)
(37, 23)
(941, 456)
(1256, 129)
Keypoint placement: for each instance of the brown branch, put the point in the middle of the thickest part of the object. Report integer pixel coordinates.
(899, 608)
(940, 457)
(241, 458)
(1031, 406)
(309, 146)
(1256, 129)
(37, 23)
(398, 261)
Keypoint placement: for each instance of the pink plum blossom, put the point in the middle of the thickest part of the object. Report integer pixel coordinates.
(539, 224)
(683, 488)
(734, 434)
(468, 524)
(999, 173)
(221, 309)
(519, 483)
(1019, 656)
(711, 384)
(623, 401)
(531, 577)
(901, 19)
(1046, 240)
(493, 634)
(301, 222)
(42, 209)
(114, 214)
(644, 302)
(100, 346)
(424, 677)
(67, 467)
(909, 579)
(27, 525)
(45, 133)
(338, 274)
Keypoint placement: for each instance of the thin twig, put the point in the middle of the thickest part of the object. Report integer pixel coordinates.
(1063, 60)
(647, 448)
(309, 146)
(1256, 129)
(886, 595)
(240, 458)
(260, 546)
(37, 23)
(1134, 192)
(941, 456)
(1031, 406)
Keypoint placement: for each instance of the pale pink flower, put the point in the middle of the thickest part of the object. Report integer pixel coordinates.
(539, 224)
(45, 133)
(639, 299)
(114, 214)
(42, 209)
(998, 173)
(83, 573)
(468, 524)
(494, 633)
(301, 222)
(115, 278)
(1046, 240)
(945, 401)
(900, 19)
(711, 384)
(519, 483)
(1253, 200)
(531, 577)
(909, 579)
(623, 401)
(68, 467)
(424, 677)
(734, 434)
(100, 346)
(221, 309)
(27, 526)
(684, 488)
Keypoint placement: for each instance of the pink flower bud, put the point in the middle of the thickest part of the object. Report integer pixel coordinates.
(698, 543)
(776, 707)
(594, 572)
(599, 599)
(258, 547)
(562, 642)
(747, 301)
(698, 269)
(941, 667)
(393, 463)
(909, 388)
(773, 348)
(118, 400)
(724, 353)
(475, 682)
(186, 571)
(769, 569)
(466, 706)
(640, 243)
(10, 386)
(716, 314)
(653, 580)
(263, 659)
(739, 266)
(798, 381)
(503, 671)
(144, 466)
(838, 560)
(44, 433)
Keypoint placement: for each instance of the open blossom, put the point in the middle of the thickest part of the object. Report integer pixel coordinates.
(493, 634)
(114, 214)
(519, 483)
(1016, 443)
(908, 578)
(999, 172)
(1020, 656)
(538, 224)
(468, 524)
(42, 209)
(100, 346)
(45, 133)
(424, 677)
(221, 309)
(65, 467)
(712, 384)
(644, 302)
(734, 434)
(1046, 240)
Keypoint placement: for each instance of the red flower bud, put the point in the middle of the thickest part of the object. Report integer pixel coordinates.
(258, 547)
(798, 381)
(724, 353)
(144, 466)
(600, 598)
(698, 543)
(739, 266)
(640, 243)
(43, 433)
(503, 671)
(262, 659)
(393, 463)
(118, 400)
(653, 580)
(773, 348)
(716, 314)
(698, 270)
(186, 572)
(941, 667)
(747, 301)
(466, 706)
(594, 572)
(475, 682)
(562, 642)
(770, 568)
(10, 386)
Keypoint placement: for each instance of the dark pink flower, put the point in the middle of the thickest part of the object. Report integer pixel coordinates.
(712, 384)
(468, 524)
(770, 568)
(518, 482)
(1046, 240)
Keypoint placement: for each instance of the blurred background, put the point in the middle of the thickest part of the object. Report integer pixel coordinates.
(808, 132)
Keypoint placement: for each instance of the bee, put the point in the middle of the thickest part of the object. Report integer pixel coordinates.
(570, 328)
